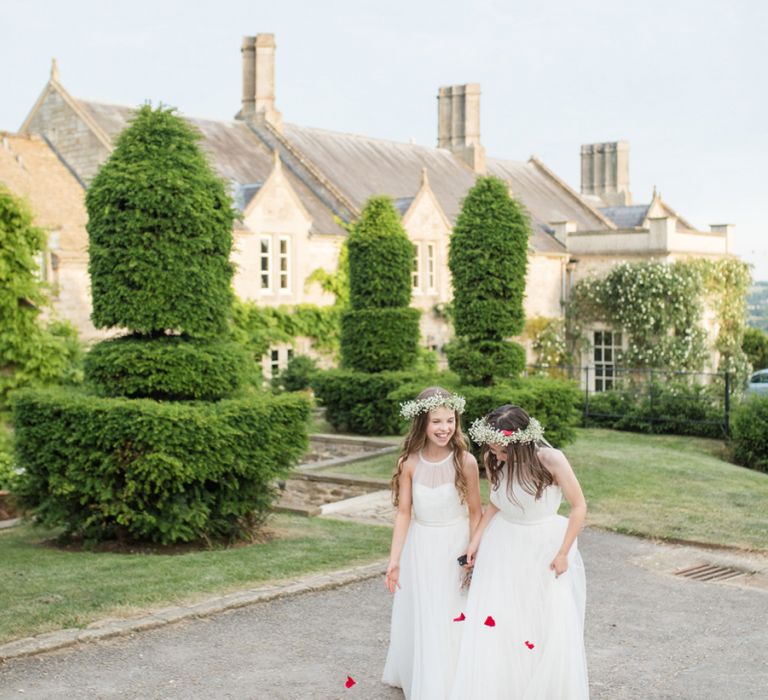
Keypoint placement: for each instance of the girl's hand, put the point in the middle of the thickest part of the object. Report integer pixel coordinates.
(559, 564)
(392, 577)
(471, 552)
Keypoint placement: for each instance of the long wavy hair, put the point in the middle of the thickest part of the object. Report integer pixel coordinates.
(522, 459)
(417, 438)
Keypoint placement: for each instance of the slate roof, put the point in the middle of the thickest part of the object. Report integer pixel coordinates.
(627, 217)
(361, 166)
(235, 151)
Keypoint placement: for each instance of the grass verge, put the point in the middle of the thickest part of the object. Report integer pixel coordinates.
(659, 486)
(45, 588)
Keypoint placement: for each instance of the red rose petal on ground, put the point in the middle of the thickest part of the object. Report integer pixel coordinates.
(350, 682)
(489, 622)
(460, 618)
(530, 645)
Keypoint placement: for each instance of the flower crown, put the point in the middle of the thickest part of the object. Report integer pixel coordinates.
(484, 434)
(411, 409)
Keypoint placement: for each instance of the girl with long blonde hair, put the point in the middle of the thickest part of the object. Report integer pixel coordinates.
(436, 490)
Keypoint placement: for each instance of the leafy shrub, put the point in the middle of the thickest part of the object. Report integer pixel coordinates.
(378, 340)
(551, 401)
(755, 346)
(7, 471)
(380, 258)
(472, 360)
(160, 232)
(749, 433)
(359, 402)
(379, 332)
(30, 352)
(665, 408)
(488, 259)
(168, 367)
(297, 374)
(108, 468)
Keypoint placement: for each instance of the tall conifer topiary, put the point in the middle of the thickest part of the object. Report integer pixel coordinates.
(380, 331)
(170, 451)
(160, 232)
(488, 258)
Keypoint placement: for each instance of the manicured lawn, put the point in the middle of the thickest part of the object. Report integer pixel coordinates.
(44, 588)
(661, 486)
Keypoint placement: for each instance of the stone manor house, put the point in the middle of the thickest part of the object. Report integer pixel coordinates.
(293, 183)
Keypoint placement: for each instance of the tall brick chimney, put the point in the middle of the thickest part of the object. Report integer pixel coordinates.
(458, 123)
(258, 102)
(605, 172)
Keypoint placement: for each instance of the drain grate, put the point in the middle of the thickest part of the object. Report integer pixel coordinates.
(710, 572)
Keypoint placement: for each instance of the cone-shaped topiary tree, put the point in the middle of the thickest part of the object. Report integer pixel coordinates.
(380, 331)
(160, 232)
(201, 462)
(488, 258)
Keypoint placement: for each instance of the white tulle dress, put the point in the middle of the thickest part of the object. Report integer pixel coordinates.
(535, 649)
(424, 639)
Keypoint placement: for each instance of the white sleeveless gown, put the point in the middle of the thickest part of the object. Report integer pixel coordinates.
(535, 651)
(424, 640)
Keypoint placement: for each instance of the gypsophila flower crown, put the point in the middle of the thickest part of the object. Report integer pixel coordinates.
(411, 409)
(484, 434)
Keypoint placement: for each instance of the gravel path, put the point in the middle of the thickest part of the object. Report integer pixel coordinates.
(649, 635)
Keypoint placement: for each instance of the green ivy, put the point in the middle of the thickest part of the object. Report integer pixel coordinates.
(30, 352)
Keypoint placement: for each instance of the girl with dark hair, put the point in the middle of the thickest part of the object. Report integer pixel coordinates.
(438, 479)
(524, 621)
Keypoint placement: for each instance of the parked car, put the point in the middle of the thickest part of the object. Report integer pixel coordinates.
(758, 382)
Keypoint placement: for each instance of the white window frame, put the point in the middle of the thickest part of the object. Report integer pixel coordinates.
(604, 355)
(284, 276)
(416, 269)
(431, 268)
(274, 362)
(265, 273)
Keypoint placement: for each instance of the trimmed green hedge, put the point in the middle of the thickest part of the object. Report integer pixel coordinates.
(369, 404)
(359, 402)
(167, 367)
(664, 408)
(138, 469)
(379, 340)
(749, 433)
(380, 258)
(7, 471)
(160, 231)
(551, 401)
(477, 361)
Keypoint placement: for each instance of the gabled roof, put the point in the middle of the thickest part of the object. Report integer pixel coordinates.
(637, 215)
(236, 152)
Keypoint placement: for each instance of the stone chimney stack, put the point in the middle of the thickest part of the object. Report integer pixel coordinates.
(605, 172)
(458, 123)
(259, 80)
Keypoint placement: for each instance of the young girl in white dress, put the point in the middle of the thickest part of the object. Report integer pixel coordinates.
(523, 636)
(438, 478)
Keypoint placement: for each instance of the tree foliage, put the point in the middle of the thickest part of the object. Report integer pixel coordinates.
(160, 230)
(755, 346)
(379, 331)
(488, 259)
(31, 352)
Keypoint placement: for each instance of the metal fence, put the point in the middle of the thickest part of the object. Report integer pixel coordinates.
(651, 400)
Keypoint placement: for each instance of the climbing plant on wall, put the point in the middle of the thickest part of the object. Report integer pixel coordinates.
(660, 306)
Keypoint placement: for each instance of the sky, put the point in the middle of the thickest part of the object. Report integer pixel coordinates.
(683, 81)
